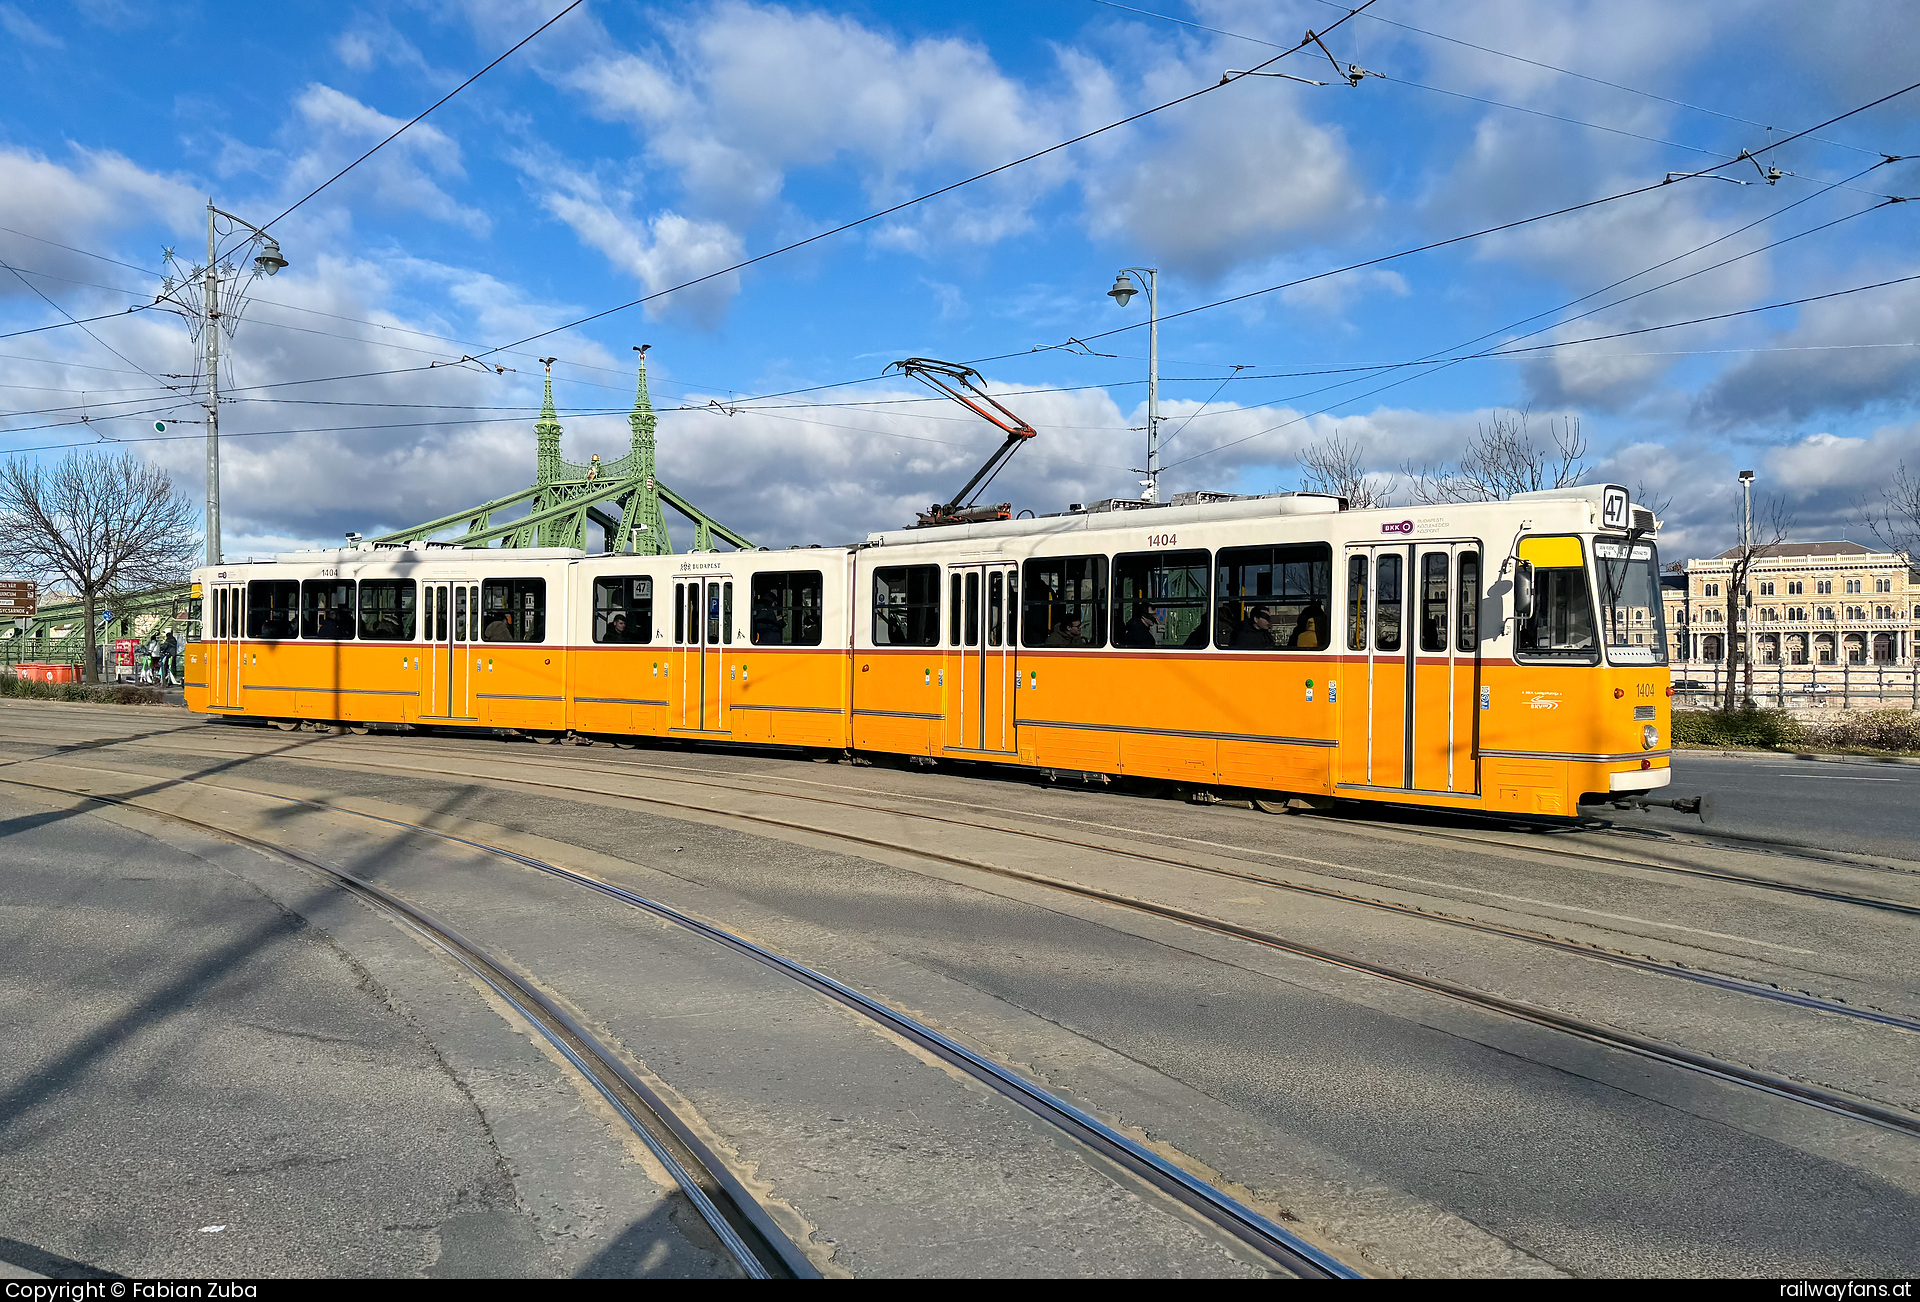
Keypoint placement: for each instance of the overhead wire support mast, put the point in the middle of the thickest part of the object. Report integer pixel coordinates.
(958, 382)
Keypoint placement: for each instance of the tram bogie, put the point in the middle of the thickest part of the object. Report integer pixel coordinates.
(1506, 657)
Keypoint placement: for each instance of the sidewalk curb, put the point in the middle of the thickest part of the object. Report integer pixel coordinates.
(1819, 757)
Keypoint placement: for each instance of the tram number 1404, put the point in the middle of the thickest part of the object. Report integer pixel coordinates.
(1162, 539)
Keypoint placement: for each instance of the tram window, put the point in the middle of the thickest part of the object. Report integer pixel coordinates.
(1013, 607)
(1469, 601)
(1160, 599)
(1272, 598)
(1357, 603)
(193, 619)
(953, 633)
(713, 614)
(1561, 627)
(1066, 601)
(906, 605)
(787, 609)
(513, 610)
(726, 612)
(1629, 579)
(972, 625)
(273, 610)
(623, 608)
(436, 613)
(690, 608)
(460, 613)
(220, 612)
(326, 609)
(995, 596)
(1433, 601)
(679, 613)
(1386, 601)
(386, 609)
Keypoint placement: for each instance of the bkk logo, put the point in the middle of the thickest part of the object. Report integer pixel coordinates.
(1403, 526)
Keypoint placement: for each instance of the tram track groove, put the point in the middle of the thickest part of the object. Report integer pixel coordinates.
(1249, 1227)
(750, 1236)
(1829, 1100)
(1581, 949)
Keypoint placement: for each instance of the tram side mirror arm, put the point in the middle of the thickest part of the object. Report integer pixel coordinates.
(1523, 590)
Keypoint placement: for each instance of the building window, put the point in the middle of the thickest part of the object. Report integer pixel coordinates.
(1796, 612)
(1853, 585)
(1795, 588)
(1823, 587)
(1883, 585)
(1766, 587)
(1711, 590)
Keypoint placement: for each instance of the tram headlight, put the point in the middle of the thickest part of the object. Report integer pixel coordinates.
(1649, 737)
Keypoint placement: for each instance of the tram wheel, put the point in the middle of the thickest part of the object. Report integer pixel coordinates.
(286, 725)
(544, 738)
(1271, 806)
(358, 729)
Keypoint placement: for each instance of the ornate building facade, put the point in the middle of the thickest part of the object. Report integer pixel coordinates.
(1807, 603)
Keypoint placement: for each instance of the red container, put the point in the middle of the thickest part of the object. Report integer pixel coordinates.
(43, 673)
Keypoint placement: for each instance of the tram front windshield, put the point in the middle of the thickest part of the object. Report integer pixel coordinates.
(1632, 616)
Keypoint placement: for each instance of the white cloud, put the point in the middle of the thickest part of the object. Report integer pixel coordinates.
(23, 29)
(1830, 376)
(334, 128)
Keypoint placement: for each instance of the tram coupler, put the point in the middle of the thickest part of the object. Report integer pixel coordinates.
(1701, 805)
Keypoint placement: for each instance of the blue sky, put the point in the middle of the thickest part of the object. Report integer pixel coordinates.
(633, 146)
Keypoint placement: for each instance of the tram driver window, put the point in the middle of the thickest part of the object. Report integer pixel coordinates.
(787, 609)
(906, 605)
(1066, 600)
(623, 608)
(1273, 598)
(326, 609)
(513, 610)
(273, 610)
(386, 609)
(1561, 627)
(1160, 599)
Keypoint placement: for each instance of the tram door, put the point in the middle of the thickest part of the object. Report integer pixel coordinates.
(983, 604)
(224, 618)
(702, 636)
(1408, 682)
(452, 626)
(1444, 626)
(1376, 675)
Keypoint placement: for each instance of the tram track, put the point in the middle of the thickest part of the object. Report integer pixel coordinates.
(1677, 1056)
(744, 1228)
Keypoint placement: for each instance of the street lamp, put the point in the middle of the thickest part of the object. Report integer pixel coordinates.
(1122, 293)
(209, 317)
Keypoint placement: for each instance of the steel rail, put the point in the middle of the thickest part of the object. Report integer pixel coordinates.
(1040, 1101)
(1697, 976)
(1266, 1236)
(749, 1235)
(1672, 1055)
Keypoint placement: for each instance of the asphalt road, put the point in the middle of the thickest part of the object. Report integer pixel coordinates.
(1858, 805)
(196, 1081)
(1423, 1138)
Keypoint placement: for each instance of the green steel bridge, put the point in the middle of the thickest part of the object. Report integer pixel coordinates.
(624, 498)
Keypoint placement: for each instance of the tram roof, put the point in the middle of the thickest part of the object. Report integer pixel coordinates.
(1242, 508)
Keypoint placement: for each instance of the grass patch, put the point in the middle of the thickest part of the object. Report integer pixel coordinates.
(11, 684)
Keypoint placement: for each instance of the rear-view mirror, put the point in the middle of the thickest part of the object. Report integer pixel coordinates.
(1523, 589)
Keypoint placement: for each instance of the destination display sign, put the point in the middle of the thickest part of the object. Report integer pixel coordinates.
(19, 598)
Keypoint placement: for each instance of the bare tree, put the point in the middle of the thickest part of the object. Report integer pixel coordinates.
(1333, 465)
(1894, 518)
(1770, 528)
(1503, 458)
(106, 525)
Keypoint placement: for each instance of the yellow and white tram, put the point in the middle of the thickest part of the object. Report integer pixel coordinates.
(1502, 656)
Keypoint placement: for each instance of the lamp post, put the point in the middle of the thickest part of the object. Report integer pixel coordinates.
(210, 318)
(1122, 292)
(1746, 574)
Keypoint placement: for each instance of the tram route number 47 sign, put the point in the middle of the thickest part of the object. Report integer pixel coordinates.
(19, 598)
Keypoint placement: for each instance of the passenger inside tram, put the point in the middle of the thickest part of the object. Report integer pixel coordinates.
(617, 627)
(1070, 633)
(1257, 633)
(1310, 630)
